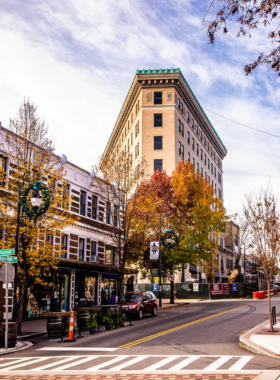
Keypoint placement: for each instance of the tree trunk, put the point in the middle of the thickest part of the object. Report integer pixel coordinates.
(269, 305)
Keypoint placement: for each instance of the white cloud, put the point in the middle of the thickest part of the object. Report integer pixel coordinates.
(76, 60)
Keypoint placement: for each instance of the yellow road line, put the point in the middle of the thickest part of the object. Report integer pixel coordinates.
(179, 327)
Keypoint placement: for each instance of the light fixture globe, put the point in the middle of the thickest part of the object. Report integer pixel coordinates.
(36, 199)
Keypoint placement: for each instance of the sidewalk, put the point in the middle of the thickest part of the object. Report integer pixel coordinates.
(261, 341)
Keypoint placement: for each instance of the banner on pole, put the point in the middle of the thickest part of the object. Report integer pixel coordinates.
(154, 250)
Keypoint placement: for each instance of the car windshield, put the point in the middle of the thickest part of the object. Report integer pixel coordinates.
(131, 298)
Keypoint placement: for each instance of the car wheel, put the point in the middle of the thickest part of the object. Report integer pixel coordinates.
(154, 311)
(140, 314)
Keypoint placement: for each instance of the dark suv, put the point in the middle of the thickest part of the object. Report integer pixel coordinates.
(139, 303)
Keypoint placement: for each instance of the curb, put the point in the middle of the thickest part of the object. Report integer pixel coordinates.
(173, 306)
(27, 336)
(21, 347)
(245, 342)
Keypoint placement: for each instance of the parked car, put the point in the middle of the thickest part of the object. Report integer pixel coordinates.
(139, 303)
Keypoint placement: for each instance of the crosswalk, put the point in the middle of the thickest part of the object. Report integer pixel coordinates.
(118, 363)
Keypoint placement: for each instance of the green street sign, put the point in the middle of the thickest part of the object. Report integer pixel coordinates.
(7, 252)
(8, 259)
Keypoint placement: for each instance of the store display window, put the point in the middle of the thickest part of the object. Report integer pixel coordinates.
(109, 289)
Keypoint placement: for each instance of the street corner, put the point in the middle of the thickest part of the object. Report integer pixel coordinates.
(20, 346)
(261, 341)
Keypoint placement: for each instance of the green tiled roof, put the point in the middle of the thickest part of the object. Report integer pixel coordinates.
(159, 71)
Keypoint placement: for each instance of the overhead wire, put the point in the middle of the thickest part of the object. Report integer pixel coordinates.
(243, 125)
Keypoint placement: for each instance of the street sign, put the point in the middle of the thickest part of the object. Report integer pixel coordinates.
(154, 250)
(171, 277)
(203, 276)
(11, 273)
(7, 252)
(155, 287)
(8, 259)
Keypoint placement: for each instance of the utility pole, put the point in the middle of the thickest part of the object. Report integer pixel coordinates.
(159, 272)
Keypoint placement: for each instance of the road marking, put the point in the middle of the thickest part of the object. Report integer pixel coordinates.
(240, 363)
(217, 363)
(55, 363)
(139, 341)
(183, 363)
(113, 361)
(17, 361)
(89, 349)
(161, 363)
(74, 364)
(129, 363)
(27, 363)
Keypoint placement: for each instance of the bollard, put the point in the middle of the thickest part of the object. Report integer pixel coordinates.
(273, 311)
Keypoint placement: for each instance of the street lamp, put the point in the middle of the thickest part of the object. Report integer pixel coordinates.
(36, 199)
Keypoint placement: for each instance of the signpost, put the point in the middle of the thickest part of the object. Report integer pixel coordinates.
(7, 252)
(8, 259)
(171, 277)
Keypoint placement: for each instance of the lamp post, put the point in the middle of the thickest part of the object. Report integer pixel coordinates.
(159, 272)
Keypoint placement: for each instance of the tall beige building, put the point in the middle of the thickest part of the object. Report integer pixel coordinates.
(162, 121)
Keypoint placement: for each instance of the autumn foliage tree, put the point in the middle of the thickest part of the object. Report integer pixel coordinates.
(262, 215)
(185, 203)
(29, 155)
(250, 15)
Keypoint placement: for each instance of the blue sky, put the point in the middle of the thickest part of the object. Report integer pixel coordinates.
(76, 60)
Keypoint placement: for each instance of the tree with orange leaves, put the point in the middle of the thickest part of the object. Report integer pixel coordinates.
(185, 202)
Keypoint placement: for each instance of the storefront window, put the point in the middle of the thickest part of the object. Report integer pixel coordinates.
(109, 291)
(90, 290)
(109, 256)
(85, 289)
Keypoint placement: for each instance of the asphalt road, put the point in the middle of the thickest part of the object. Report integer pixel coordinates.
(199, 336)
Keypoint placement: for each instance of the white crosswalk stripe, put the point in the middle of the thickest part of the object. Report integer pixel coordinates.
(91, 363)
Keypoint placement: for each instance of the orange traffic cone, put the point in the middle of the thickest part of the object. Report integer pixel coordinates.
(71, 328)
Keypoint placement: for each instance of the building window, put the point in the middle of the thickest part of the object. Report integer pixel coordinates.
(183, 152)
(193, 161)
(64, 245)
(131, 118)
(3, 168)
(179, 146)
(201, 171)
(108, 212)
(197, 149)
(158, 120)
(215, 189)
(208, 146)
(81, 249)
(182, 107)
(215, 172)
(158, 165)
(188, 117)
(179, 103)
(93, 251)
(211, 167)
(116, 215)
(83, 197)
(131, 138)
(208, 163)
(182, 129)
(157, 97)
(196, 129)
(49, 238)
(197, 166)
(193, 143)
(66, 196)
(189, 157)
(200, 135)
(137, 150)
(214, 156)
(192, 124)
(188, 137)
(109, 257)
(221, 242)
(201, 154)
(94, 207)
(204, 159)
(179, 126)
(220, 193)
(157, 142)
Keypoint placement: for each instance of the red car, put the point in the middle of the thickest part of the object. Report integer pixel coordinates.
(139, 303)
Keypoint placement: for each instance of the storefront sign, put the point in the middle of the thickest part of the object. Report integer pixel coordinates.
(7, 252)
(157, 280)
(226, 288)
(234, 287)
(195, 287)
(8, 259)
(216, 289)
